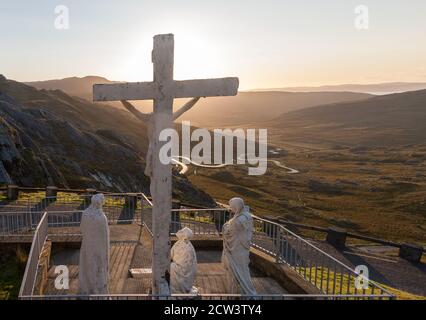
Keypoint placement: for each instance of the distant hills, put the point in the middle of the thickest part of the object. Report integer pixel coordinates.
(393, 119)
(246, 107)
(329, 116)
(377, 88)
(50, 138)
(255, 107)
(74, 86)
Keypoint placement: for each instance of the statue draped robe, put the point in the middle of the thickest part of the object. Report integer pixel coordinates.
(237, 236)
(94, 252)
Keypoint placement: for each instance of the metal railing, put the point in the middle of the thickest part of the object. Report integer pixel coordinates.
(332, 278)
(146, 213)
(222, 297)
(66, 211)
(15, 222)
(119, 208)
(206, 222)
(326, 273)
(40, 236)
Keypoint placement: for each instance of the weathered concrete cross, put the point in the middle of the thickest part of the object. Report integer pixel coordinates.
(163, 90)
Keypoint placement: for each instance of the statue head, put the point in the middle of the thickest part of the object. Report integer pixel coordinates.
(237, 205)
(184, 234)
(97, 201)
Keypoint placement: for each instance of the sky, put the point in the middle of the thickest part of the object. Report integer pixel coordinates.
(266, 43)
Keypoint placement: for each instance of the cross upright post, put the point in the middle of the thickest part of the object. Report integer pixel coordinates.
(163, 90)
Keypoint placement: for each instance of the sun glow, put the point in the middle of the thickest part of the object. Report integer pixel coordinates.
(196, 56)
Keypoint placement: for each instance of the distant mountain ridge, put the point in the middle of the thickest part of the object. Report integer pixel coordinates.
(256, 107)
(246, 107)
(375, 88)
(383, 120)
(73, 86)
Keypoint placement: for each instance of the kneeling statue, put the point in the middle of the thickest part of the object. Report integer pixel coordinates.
(184, 264)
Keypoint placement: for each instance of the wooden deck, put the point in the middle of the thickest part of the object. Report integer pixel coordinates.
(130, 250)
(121, 256)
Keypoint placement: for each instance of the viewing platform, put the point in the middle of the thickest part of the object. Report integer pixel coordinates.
(131, 252)
(283, 265)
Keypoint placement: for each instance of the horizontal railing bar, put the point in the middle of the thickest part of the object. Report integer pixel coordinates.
(146, 199)
(217, 295)
(348, 234)
(34, 254)
(198, 210)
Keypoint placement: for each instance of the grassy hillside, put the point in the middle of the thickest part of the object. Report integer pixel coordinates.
(362, 167)
(388, 120)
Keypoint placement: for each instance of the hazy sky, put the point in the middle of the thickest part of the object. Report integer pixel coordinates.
(267, 43)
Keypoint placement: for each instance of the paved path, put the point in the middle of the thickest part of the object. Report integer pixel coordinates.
(185, 168)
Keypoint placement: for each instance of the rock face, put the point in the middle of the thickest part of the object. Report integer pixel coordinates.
(50, 138)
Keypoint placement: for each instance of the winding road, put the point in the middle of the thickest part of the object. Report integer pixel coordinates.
(184, 167)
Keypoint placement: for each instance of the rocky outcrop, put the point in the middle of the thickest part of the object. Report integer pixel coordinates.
(50, 138)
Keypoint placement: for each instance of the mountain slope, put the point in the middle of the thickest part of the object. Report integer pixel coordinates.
(246, 107)
(252, 107)
(383, 120)
(48, 137)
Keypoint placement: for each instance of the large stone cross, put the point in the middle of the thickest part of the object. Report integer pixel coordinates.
(163, 90)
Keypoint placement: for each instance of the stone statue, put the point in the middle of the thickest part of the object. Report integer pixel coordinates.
(237, 236)
(94, 252)
(147, 119)
(183, 268)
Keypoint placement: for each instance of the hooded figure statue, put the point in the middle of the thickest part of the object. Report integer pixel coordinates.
(184, 264)
(237, 236)
(94, 251)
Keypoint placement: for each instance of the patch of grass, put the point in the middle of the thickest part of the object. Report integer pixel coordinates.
(12, 268)
(389, 204)
(343, 284)
(32, 197)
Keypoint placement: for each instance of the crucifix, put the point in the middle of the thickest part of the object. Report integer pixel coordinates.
(163, 90)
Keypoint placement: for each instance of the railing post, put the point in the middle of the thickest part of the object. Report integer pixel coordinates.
(411, 252)
(142, 208)
(219, 218)
(175, 225)
(337, 237)
(88, 195)
(51, 192)
(130, 205)
(278, 243)
(12, 192)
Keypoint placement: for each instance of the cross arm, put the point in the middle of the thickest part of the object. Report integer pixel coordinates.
(206, 88)
(124, 91)
(185, 108)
